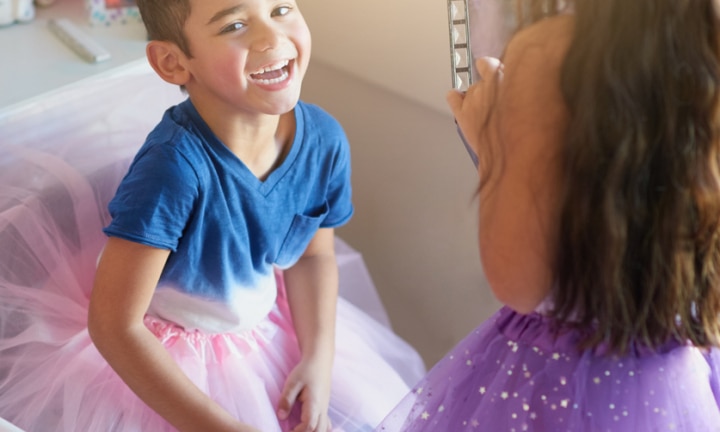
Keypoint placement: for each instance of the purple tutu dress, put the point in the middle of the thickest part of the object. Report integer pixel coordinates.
(512, 375)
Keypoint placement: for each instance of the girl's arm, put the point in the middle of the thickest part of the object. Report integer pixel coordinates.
(126, 278)
(312, 290)
(519, 206)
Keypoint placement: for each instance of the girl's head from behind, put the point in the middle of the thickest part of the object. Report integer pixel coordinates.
(638, 256)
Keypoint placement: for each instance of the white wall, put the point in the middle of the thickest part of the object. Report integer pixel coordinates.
(415, 220)
(402, 45)
(382, 67)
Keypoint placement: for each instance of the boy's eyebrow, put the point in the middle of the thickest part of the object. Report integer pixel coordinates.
(226, 12)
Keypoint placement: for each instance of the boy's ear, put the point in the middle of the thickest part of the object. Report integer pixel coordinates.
(167, 60)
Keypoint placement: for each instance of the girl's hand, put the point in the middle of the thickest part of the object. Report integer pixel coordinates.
(308, 383)
(472, 109)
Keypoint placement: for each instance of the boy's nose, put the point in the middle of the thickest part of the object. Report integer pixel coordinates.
(267, 36)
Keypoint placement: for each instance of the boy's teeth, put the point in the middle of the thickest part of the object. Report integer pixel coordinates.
(283, 76)
(272, 74)
(273, 67)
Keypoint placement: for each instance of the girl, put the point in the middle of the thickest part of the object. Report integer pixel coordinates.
(214, 303)
(598, 141)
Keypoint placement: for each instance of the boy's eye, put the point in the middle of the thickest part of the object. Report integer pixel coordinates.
(281, 11)
(235, 26)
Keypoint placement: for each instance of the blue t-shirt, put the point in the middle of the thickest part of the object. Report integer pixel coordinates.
(187, 192)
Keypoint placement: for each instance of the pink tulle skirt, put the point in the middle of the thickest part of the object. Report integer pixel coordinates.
(53, 199)
(55, 380)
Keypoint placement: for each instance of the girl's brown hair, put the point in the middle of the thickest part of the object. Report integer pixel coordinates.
(638, 257)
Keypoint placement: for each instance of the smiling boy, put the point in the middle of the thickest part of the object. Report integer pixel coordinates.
(234, 196)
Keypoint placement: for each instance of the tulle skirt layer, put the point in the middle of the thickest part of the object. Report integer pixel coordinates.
(55, 380)
(511, 374)
(52, 209)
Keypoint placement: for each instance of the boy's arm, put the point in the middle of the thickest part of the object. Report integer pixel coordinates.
(312, 290)
(125, 281)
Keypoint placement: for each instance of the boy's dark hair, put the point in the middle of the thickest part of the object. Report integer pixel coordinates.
(165, 19)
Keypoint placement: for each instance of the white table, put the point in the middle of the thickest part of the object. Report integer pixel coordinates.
(35, 64)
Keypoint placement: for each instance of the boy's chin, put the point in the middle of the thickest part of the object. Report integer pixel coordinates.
(283, 107)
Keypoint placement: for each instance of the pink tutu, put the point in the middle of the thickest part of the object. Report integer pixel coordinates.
(53, 203)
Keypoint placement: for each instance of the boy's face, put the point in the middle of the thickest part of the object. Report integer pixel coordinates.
(248, 56)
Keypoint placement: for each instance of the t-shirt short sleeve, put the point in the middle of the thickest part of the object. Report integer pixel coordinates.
(324, 133)
(339, 195)
(155, 198)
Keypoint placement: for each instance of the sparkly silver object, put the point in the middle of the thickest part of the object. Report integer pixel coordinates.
(460, 53)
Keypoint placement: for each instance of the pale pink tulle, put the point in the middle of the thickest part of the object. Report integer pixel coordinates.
(55, 182)
(59, 381)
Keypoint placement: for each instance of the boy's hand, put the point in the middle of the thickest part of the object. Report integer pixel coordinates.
(308, 383)
(472, 109)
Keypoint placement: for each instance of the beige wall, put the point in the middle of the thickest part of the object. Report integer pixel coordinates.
(402, 45)
(415, 214)
(382, 67)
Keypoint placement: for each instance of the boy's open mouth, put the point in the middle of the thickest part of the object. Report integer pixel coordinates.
(272, 74)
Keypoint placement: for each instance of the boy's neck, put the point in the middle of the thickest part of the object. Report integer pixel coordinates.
(259, 140)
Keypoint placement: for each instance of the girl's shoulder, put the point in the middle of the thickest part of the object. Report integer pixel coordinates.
(534, 57)
(547, 29)
(550, 37)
